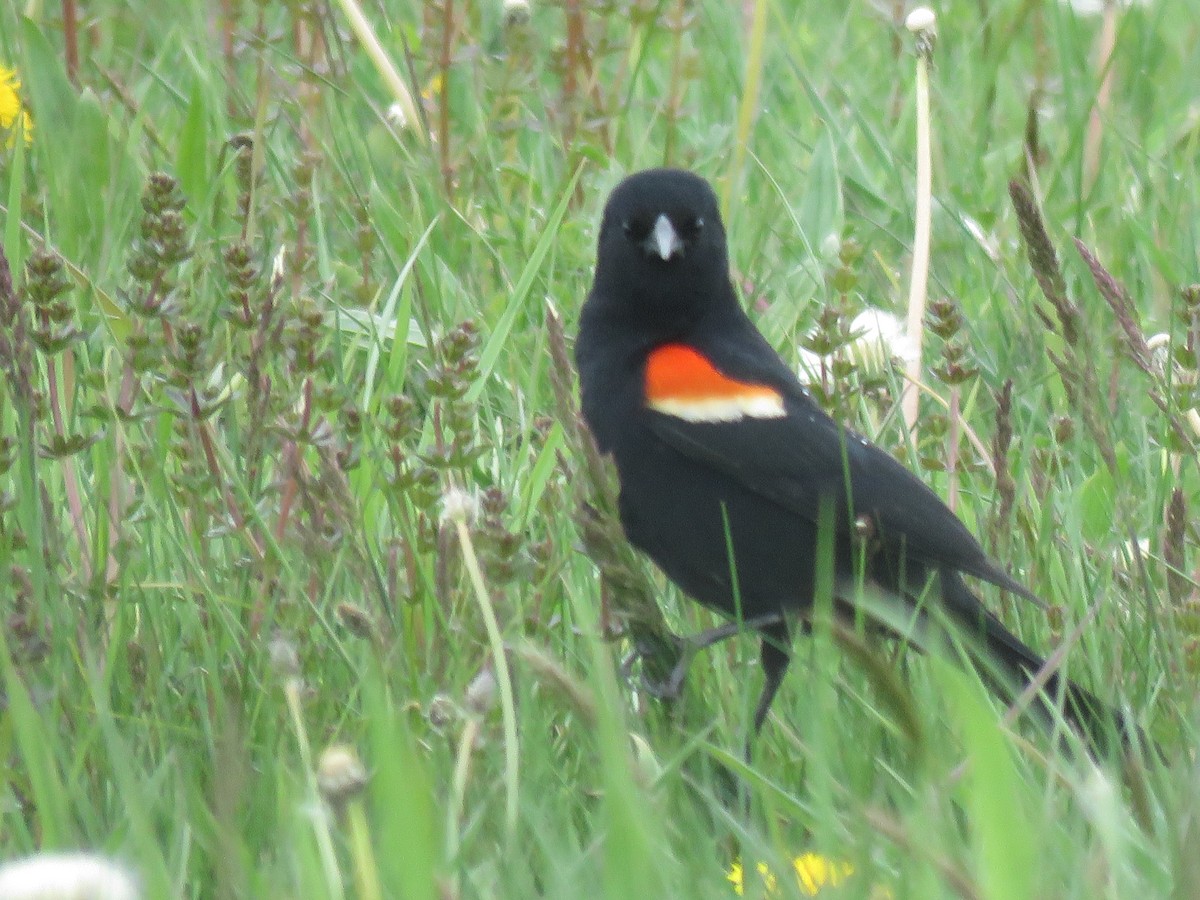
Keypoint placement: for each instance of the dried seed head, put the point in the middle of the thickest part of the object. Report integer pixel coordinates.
(284, 658)
(356, 620)
(1174, 541)
(441, 712)
(1191, 296)
(340, 774)
(481, 692)
(1064, 429)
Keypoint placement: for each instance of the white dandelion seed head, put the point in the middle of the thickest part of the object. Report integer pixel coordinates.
(67, 876)
(397, 116)
(481, 692)
(516, 12)
(284, 658)
(810, 366)
(881, 336)
(460, 506)
(878, 338)
(1096, 7)
(1159, 346)
(340, 774)
(920, 19)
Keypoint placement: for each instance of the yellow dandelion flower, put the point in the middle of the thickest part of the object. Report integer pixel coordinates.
(736, 877)
(432, 88)
(10, 103)
(814, 873)
(13, 114)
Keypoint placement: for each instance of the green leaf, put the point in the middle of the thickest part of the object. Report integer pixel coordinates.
(498, 340)
(821, 213)
(403, 817)
(191, 162)
(994, 792)
(1097, 504)
(54, 99)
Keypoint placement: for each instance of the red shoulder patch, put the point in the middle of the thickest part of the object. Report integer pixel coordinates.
(681, 381)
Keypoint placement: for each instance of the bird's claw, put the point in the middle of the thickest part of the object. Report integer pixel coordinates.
(684, 649)
(670, 688)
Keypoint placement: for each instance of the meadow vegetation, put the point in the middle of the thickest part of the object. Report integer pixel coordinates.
(301, 543)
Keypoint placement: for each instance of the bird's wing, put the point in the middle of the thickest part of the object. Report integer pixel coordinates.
(779, 444)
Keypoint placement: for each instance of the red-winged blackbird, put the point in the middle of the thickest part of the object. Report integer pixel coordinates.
(726, 463)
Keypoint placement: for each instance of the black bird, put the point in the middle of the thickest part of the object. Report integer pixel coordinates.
(727, 465)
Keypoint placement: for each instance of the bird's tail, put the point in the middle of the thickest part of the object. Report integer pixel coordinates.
(1005, 661)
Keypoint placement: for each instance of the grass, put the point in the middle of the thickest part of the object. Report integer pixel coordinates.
(238, 392)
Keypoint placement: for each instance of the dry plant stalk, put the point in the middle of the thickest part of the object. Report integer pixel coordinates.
(1179, 586)
(1133, 340)
(922, 23)
(1106, 43)
(1006, 488)
(1076, 366)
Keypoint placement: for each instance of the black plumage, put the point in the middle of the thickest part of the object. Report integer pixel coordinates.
(726, 464)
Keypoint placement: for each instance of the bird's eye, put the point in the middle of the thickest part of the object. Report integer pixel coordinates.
(691, 228)
(634, 230)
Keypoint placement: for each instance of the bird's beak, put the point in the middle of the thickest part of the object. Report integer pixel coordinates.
(664, 239)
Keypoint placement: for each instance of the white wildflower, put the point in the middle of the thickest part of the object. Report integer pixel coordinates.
(66, 876)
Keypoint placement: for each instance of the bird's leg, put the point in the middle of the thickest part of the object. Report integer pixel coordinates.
(776, 654)
(688, 647)
(705, 639)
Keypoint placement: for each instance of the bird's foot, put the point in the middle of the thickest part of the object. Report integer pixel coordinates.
(663, 663)
(656, 653)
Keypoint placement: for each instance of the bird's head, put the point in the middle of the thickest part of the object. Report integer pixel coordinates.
(662, 251)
